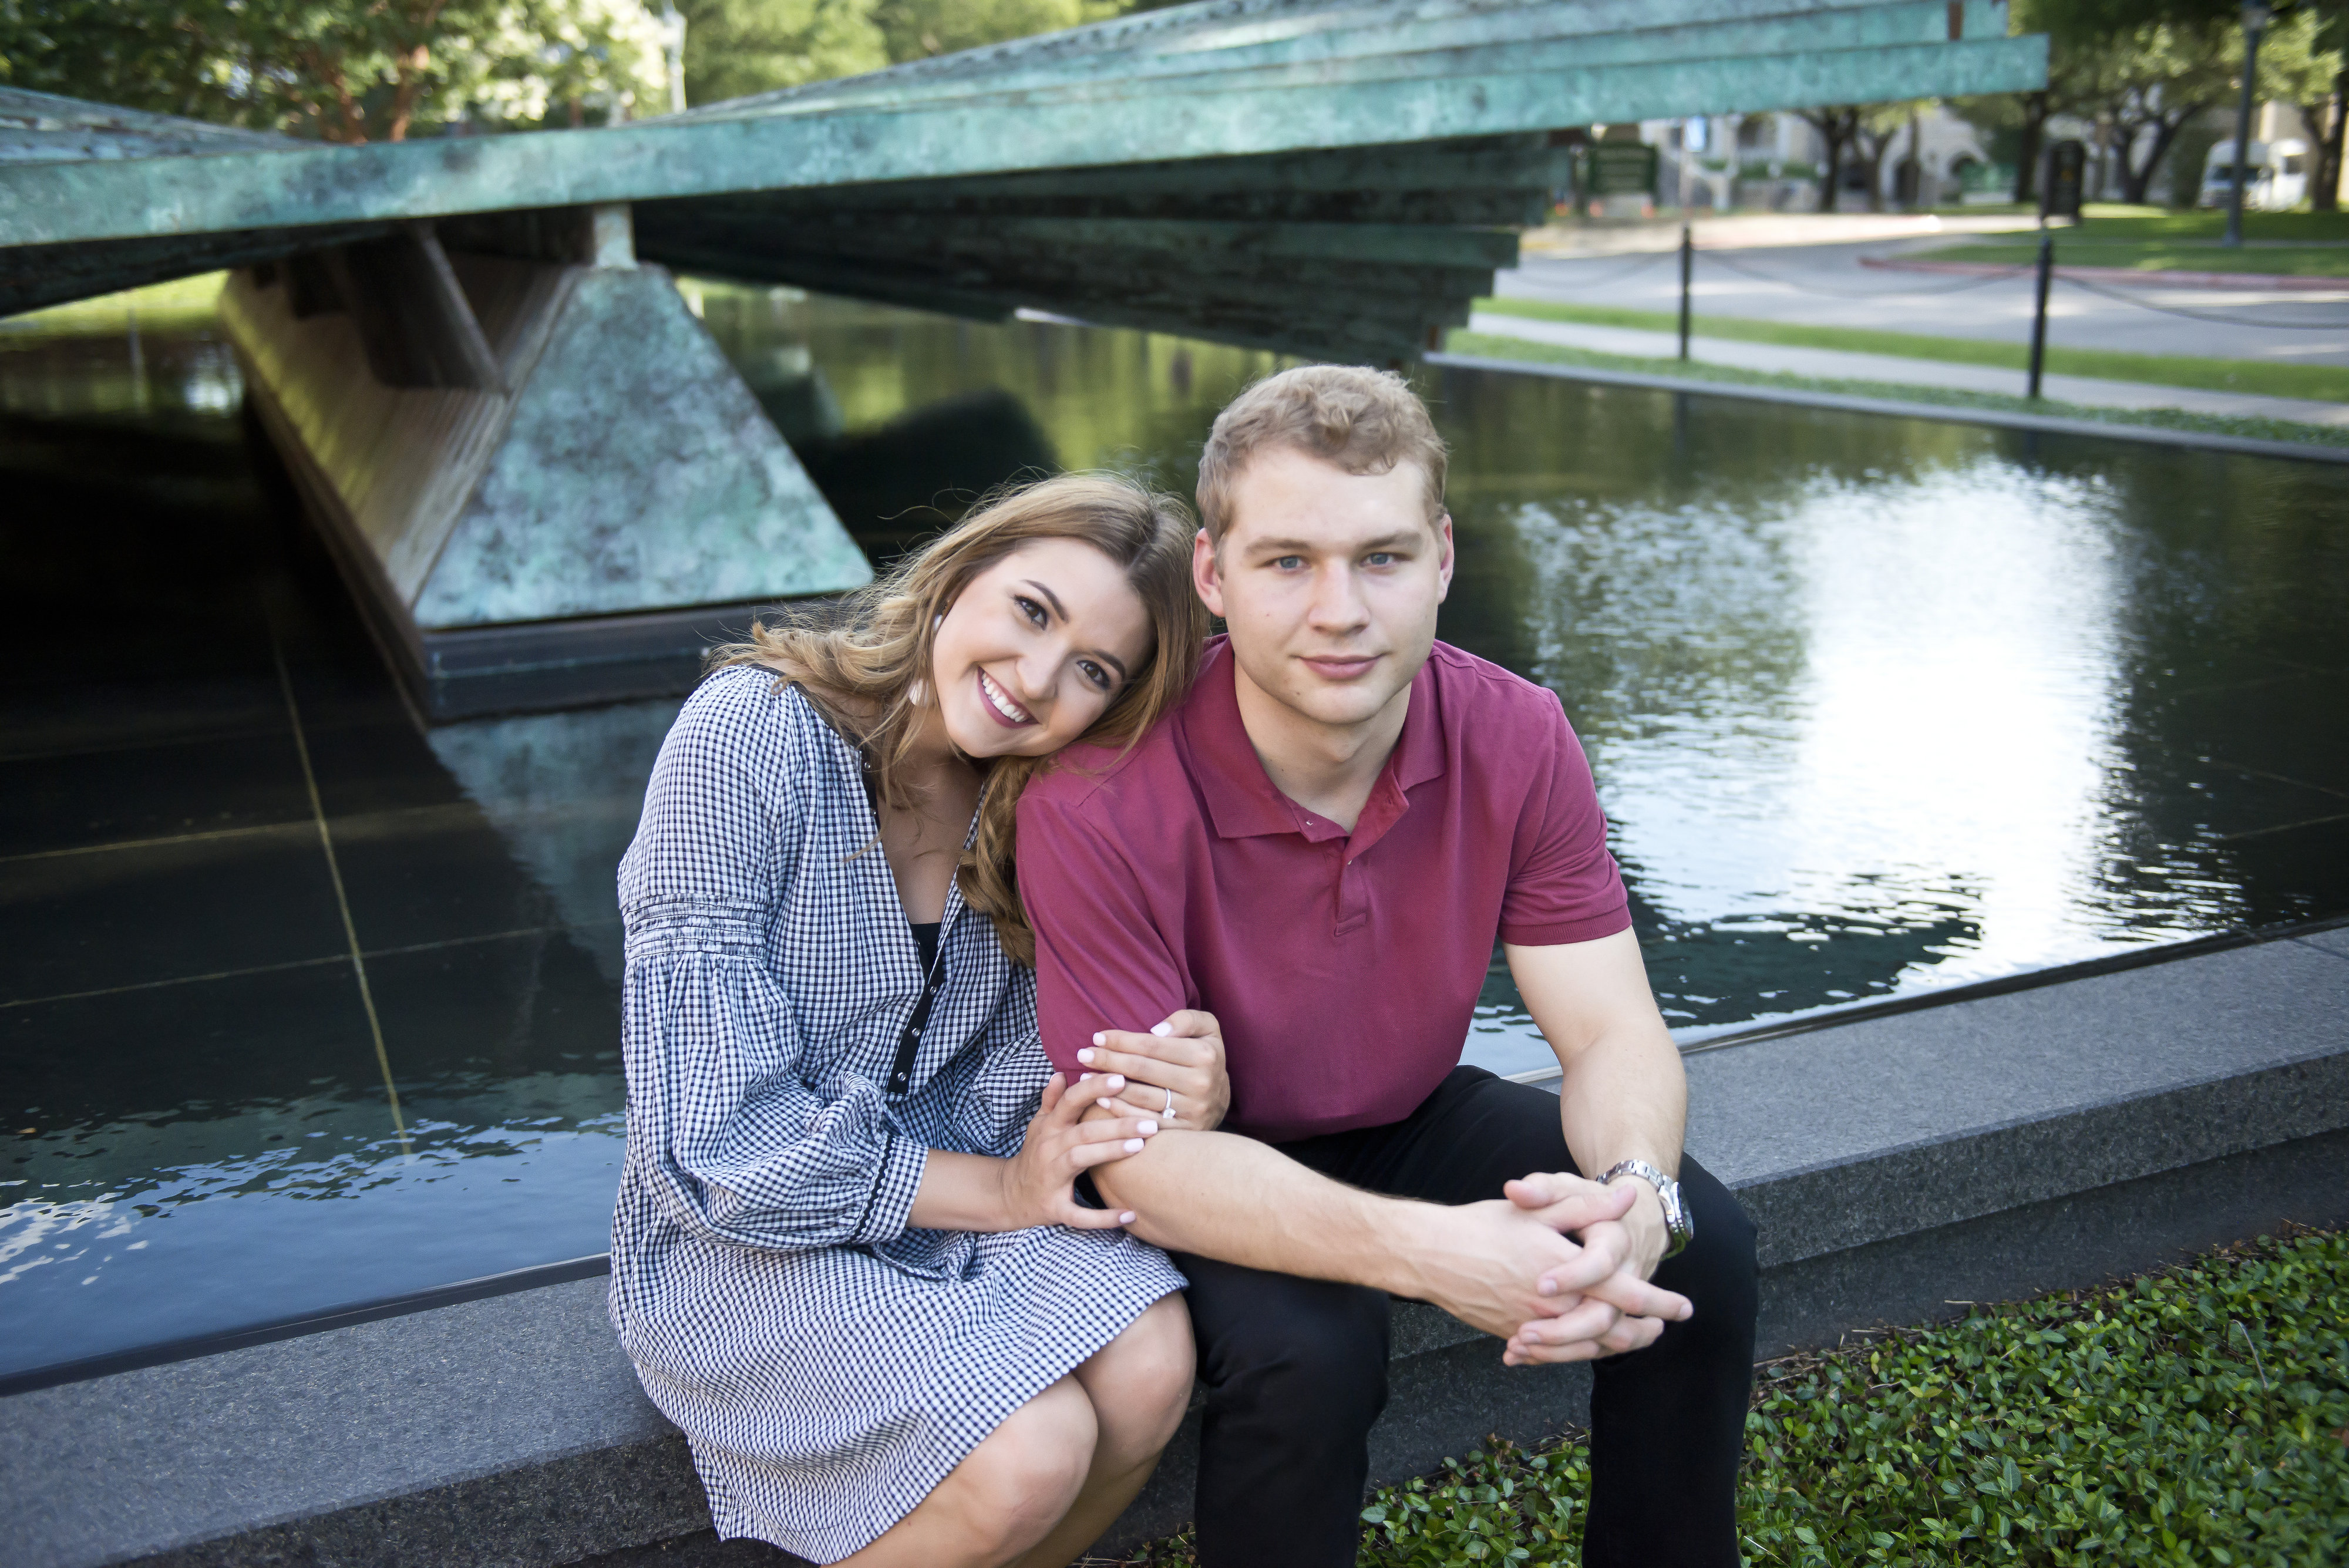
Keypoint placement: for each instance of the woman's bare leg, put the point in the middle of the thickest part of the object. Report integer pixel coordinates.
(1007, 1495)
(1139, 1383)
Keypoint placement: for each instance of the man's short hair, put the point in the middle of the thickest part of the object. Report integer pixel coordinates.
(1360, 420)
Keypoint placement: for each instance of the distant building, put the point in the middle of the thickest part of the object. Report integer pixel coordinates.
(1775, 161)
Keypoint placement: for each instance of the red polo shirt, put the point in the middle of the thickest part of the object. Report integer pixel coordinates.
(1345, 968)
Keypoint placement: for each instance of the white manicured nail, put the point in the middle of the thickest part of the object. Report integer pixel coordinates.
(1116, 1082)
(1134, 1146)
(1149, 1128)
(1127, 1218)
(1086, 1055)
(1164, 1029)
(1098, 1040)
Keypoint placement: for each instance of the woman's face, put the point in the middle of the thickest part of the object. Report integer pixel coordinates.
(1036, 648)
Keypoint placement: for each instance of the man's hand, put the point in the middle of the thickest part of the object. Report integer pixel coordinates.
(1608, 1305)
(1174, 1073)
(1485, 1263)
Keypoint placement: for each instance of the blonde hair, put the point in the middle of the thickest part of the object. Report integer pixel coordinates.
(1361, 420)
(860, 665)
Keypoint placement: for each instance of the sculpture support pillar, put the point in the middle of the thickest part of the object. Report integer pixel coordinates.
(544, 483)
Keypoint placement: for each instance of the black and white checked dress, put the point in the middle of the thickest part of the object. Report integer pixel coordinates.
(828, 1365)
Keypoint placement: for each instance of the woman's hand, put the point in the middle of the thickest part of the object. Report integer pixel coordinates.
(1174, 1073)
(1061, 1145)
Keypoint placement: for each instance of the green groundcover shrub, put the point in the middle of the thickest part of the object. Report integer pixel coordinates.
(2199, 1415)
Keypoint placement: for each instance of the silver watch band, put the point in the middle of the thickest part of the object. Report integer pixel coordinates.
(1677, 1223)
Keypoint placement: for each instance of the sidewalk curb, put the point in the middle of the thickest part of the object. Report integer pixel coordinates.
(2153, 435)
(2280, 283)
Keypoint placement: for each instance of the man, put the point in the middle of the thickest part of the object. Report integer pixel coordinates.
(1320, 847)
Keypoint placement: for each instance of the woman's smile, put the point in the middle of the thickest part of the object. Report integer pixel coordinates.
(1000, 706)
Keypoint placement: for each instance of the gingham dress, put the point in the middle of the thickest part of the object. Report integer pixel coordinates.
(828, 1365)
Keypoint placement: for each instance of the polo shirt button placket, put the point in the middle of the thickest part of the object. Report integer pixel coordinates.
(1354, 900)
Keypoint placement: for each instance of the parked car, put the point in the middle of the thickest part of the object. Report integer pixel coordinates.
(2275, 176)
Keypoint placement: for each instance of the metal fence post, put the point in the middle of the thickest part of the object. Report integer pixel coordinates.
(2039, 314)
(1688, 264)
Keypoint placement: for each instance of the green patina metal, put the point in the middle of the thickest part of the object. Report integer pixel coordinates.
(1032, 173)
(538, 448)
(50, 203)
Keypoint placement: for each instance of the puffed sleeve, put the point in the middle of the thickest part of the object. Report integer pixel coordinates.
(737, 1146)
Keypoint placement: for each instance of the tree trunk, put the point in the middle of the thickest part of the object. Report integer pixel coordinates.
(1830, 171)
(2026, 162)
(2326, 196)
(2135, 179)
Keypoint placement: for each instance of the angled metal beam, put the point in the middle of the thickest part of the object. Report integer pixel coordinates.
(57, 202)
(1521, 38)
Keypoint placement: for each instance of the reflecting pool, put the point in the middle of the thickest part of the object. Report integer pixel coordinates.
(305, 1004)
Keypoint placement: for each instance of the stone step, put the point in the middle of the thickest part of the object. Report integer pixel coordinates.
(1901, 1165)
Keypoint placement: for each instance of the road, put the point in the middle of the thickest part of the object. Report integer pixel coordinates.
(1824, 284)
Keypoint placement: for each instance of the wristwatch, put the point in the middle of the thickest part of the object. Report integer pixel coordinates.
(1677, 1223)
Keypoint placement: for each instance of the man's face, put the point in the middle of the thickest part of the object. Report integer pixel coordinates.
(1328, 583)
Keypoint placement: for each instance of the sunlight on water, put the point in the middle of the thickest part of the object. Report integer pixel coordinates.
(1873, 706)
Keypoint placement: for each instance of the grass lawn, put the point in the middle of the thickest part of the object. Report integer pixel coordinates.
(2199, 1416)
(2327, 382)
(2149, 239)
(1489, 346)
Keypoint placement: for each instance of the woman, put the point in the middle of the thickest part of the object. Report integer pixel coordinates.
(846, 1258)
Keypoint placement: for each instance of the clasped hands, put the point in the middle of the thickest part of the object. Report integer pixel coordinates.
(1557, 1267)
(1598, 1300)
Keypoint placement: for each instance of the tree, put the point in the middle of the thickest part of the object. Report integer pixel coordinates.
(916, 29)
(1874, 130)
(346, 70)
(2145, 68)
(2307, 70)
(2148, 81)
(1837, 124)
(737, 47)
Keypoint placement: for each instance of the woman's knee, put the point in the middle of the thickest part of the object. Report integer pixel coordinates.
(1140, 1383)
(1017, 1485)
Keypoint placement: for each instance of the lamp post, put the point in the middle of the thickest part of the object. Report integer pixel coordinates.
(2256, 17)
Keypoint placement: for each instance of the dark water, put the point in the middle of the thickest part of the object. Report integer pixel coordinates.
(1875, 707)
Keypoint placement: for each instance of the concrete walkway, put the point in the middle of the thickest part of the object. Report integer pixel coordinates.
(1840, 285)
(1836, 364)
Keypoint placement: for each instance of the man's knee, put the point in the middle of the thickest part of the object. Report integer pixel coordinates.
(1719, 1269)
(1306, 1351)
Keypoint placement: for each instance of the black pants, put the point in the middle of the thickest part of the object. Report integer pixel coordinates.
(1297, 1369)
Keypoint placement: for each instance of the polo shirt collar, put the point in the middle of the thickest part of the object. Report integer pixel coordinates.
(1241, 799)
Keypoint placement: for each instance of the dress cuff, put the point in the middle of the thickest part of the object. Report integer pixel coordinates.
(902, 1161)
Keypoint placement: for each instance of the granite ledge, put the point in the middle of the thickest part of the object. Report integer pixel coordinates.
(511, 1430)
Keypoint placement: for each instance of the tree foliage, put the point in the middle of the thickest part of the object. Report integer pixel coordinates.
(369, 70)
(915, 29)
(346, 70)
(737, 47)
(2144, 70)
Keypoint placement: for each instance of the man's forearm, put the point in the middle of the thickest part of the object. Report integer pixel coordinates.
(1625, 1096)
(1240, 1201)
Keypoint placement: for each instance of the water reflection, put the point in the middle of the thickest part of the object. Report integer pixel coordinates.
(1874, 707)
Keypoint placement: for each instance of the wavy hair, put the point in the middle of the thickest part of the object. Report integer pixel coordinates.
(865, 663)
